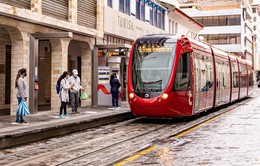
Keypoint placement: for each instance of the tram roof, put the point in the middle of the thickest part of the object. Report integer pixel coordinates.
(155, 38)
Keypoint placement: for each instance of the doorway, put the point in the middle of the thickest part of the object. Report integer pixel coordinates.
(44, 75)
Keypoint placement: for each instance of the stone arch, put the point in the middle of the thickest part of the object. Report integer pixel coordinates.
(19, 59)
(85, 66)
(59, 59)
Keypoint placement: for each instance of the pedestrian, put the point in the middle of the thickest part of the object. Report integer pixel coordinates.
(115, 85)
(74, 92)
(63, 81)
(20, 84)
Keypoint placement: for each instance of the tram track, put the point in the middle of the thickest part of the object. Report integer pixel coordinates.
(23, 157)
(104, 152)
(82, 160)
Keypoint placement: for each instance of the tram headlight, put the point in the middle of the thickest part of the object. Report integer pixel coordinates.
(165, 96)
(131, 95)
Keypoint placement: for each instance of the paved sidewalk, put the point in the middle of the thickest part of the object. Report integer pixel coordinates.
(47, 124)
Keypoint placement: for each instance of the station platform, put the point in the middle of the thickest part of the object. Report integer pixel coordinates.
(46, 124)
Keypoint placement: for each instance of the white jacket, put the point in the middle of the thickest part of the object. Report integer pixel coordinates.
(76, 88)
(64, 92)
(22, 89)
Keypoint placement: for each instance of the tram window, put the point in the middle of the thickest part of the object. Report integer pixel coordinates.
(250, 75)
(182, 77)
(243, 76)
(197, 73)
(227, 75)
(235, 74)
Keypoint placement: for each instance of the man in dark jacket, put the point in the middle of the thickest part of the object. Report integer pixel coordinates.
(115, 84)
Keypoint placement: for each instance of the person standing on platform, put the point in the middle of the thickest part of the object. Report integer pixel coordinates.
(22, 92)
(115, 85)
(74, 92)
(63, 81)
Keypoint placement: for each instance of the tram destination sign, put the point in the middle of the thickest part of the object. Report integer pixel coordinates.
(116, 53)
(155, 49)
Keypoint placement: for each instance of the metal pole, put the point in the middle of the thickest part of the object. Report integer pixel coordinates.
(95, 76)
(33, 94)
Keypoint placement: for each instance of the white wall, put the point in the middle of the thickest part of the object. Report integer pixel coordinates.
(221, 30)
(125, 26)
(230, 47)
(199, 13)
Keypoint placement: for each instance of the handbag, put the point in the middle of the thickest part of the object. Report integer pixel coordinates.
(22, 109)
(83, 96)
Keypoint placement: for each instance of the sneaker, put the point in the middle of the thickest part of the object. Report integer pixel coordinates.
(61, 116)
(77, 112)
(24, 122)
(15, 123)
(66, 116)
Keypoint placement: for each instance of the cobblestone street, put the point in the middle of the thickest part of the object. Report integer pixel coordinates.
(231, 139)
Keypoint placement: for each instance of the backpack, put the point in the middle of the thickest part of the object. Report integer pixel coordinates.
(58, 88)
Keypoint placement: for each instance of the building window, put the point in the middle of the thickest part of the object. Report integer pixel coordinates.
(155, 16)
(127, 7)
(176, 28)
(109, 3)
(159, 20)
(163, 20)
(124, 6)
(219, 20)
(142, 17)
(170, 23)
(223, 39)
(173, 27)
(138, 9)
(151, 15)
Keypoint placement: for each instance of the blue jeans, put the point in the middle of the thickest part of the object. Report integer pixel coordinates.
(74, 97)
(19, 118)
(114, 98)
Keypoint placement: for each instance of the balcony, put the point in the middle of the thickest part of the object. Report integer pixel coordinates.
(248, 13)
(249, 36)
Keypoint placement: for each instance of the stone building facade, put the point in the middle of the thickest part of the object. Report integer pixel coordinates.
(20, 21)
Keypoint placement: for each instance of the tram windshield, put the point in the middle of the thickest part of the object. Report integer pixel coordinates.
(152, 66)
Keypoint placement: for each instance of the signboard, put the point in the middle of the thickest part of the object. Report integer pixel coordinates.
(103, 74)
(116, 53)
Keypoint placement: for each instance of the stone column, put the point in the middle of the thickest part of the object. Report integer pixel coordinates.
(100, 15)
(86, 70)
(36, 6)
(73, 10)
(59, 53)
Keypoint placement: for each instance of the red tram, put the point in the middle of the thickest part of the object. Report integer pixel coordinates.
(170, 76)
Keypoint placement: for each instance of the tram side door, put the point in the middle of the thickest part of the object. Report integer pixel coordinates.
(200, 94)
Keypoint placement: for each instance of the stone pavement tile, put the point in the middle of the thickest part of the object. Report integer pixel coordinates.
(52, 117)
